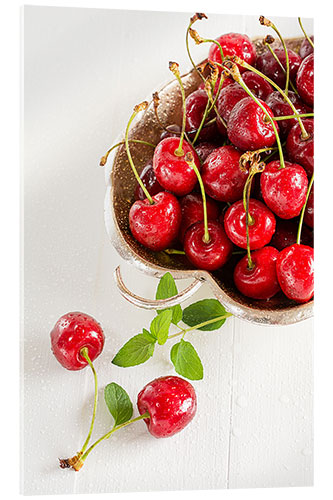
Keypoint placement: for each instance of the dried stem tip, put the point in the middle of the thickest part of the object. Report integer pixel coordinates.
(189, 157)
(198, 16)
(232, 67)
(174, 68)
(196, 37)
(140, 107)
(264, 21)
(269, 39)
(156, 99)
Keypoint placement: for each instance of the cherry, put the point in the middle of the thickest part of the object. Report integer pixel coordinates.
(229, 96)
(261, 281)
(309, 210)
(306, 48)
(257, 84)
(267, 64)
(280, 107)
(301, 150)
(284, 189)
(286, 234)
(149, 180)
(305, 80)
(261, 226)
(171, 403)
(248, 128)
(295, 272)
(222, 177)
(203, 149)
(156, 225)
(209, 255)
(170, 131)
(196, 104)
(172, 171)
(72, 333)
(192, 211)
(233, 44)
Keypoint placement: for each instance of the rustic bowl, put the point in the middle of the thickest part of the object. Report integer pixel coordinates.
(119, 197)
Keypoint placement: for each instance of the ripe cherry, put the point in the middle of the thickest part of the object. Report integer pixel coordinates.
(73, 332)
(286, 234)
(192, 211)
(171, 403)
(156, 225)
(257, 84)
(229, 96)
(260, 281)
(284, 189)
(222, 177)
(196, 104)
(301, 150)
(267, 64)
(305, 80)
(280, 107)
(261, 226)
(309, 210)
(233, 44)
(306, 48)
(248, 128)
(170, 131)
(149, 180)
(295, 272)
(204, 149)
(209, 255)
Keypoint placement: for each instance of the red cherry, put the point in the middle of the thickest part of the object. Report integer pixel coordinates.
(295, 272)
(204, 149)
(309, 210)
(260, 232)
(196, 104)
(192, 211)
(267, 64)
(234, 44)
(171, 402)
(248, 128)
(71, 333)
(286, 234)
(257, 84)
(284, 189)
(260, 282)
(306, 48)
(172, 171)
(221, 175)
(149, 180)
(156, 225)
(229, 96)
(209, 256)
(301, 150)
(280, 107)
(171, 131)
(305, 80)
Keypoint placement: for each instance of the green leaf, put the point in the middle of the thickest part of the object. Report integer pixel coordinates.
(167, 288)
(159, 327)
(147, 335)
(186, 360)
(118, 402)
(204, 310)
(136, 351)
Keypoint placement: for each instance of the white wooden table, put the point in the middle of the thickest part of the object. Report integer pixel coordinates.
(84, 72)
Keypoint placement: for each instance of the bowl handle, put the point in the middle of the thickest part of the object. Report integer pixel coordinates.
(151, 303)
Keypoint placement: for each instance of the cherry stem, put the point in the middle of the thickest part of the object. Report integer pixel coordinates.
(268, 23)
(200, 325)
(77, 466)
(239, 61)
(281, 66)
(289, 117)
(137, 109)
(174, 68)
(300, 224)
(84, 353)
(105, 157)
(190, 161)
(192, 21)
(305, 34)
(202, 122)
(173, 251)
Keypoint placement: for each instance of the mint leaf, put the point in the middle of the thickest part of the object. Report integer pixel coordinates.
(159, 327)
(147, 335)
(186, 360)
(136, 351)
(204, 310)
(165, 289)
(118, 402)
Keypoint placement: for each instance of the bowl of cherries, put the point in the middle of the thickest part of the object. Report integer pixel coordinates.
(213, 179)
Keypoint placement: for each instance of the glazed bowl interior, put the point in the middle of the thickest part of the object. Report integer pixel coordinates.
(279, 309)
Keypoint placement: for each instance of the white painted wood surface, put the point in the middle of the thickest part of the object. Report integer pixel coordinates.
(84, 71)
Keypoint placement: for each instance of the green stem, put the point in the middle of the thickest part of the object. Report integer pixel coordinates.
(105, 157)
(200, 325)
(300, 224)
(202, 122)
(85, 355)
(174, 68)
(289, 117)
(189, 54)
(281, 66)
(305, 34)
(143, 187)
(190, 161)
(173, 251)
(248, 220)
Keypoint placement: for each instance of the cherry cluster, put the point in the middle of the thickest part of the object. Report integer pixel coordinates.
(237, 176)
